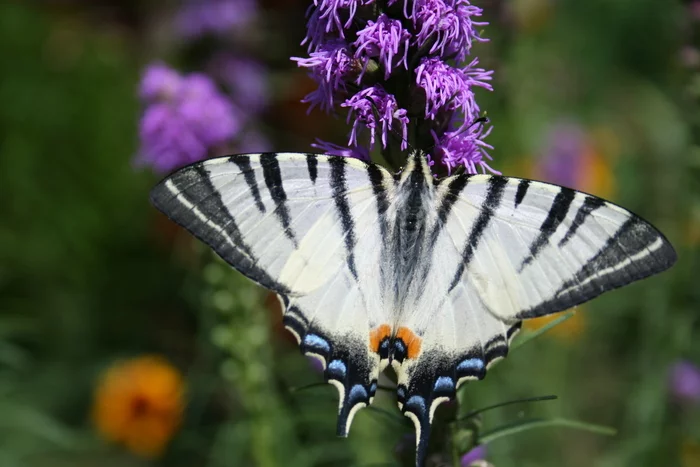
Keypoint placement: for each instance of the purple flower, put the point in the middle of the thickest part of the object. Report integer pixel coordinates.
(478, 453)
(160, 82)
(684, 381)
(246, 80)
(464, 146)
(449, 24)
(383, 39)
(200, 17)
(363, 106)
(562, 154)
(185, 117)
(332, 149)
(329, 67)
(447, 88)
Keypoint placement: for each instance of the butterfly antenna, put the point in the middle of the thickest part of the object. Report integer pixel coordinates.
(474, 413)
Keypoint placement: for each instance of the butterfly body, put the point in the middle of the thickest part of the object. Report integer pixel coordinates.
(432, 277)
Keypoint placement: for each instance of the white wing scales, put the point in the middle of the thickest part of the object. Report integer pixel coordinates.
(432, 276)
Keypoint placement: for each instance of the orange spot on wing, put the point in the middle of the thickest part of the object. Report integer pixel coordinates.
(377, 335)
(412, 341)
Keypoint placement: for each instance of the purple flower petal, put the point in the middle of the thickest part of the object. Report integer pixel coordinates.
(449, 24)
(329, 66)
(356, 152)
(465, 147)
(476, 454)
(362, 107)
(684, 381)
(448, 88)
(383, 39)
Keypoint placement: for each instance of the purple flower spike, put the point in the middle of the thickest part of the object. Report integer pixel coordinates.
(383, 39)
(358, 51)
(329, 66)
(448, 88)
(684, 381)
(365, 104)
(182, 125)
(466, 147)
(449, 23)
(357, 152)
(478, 453)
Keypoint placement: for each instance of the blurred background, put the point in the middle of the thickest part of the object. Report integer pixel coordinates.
(123, 343)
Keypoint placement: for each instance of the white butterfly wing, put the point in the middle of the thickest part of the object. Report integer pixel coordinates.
(502, 250)
(302, 226)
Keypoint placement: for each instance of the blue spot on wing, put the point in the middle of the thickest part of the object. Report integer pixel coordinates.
(416, 402)
(473, 364)
(337, 368)
(444, 384)
(315, 342)
(357, 393)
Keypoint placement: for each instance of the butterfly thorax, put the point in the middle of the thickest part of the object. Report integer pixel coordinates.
(413, 214)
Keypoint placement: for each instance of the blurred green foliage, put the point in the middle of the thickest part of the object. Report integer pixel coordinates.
(89, 273)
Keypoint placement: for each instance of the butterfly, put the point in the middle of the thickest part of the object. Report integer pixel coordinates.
(432, 277)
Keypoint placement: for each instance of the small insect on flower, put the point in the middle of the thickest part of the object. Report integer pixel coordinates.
(138, 404)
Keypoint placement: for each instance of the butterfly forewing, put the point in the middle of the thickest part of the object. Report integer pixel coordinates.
(307, 227)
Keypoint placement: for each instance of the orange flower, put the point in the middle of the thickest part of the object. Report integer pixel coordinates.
(139, 403)
(570, 329)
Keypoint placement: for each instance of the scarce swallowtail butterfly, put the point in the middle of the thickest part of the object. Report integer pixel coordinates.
(430, 276)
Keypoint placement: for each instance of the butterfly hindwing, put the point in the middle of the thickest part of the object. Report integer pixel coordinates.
(302, 226)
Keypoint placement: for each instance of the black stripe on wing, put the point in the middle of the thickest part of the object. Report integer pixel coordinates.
(189, 198)
(494, 195)
(376, 177)
(635, 251)
(523, 186)
(454, 190)
(312, 166)
(273, 180)
(243, 163)
(557, 213)
(339, 189)
(590, 204)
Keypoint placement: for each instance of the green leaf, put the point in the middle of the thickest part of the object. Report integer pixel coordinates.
(532, 423)
(527, 337)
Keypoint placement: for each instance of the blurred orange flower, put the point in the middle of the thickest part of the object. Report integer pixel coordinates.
(570, 329)
(139, 404)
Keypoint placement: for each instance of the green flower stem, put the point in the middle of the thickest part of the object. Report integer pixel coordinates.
(245, 336)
